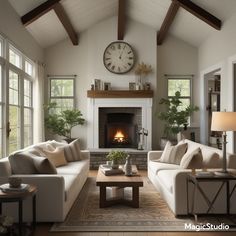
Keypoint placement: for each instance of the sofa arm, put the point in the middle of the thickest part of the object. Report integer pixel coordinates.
(85, 154)
(154, 155)
(50, 197)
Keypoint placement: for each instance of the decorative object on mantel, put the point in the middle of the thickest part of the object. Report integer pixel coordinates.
(116, 157)
(175, 117)
(147, 86)
(97, 84)
(142, 70)
(62, 123)
(142, 133)
(107, 86)
(132, 86)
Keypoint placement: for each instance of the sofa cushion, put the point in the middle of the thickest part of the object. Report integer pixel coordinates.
(56, 157)
(173, 154)
(72, 168)
(43, 165)
(22, 163)
(211, 159)
(192, 160)
(166, 178)
(156, 166)
(72, 151)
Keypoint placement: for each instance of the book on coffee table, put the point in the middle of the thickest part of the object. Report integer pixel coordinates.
(109, 171)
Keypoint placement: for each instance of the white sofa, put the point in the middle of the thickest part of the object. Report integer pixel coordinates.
(56, 192)
(170, 180)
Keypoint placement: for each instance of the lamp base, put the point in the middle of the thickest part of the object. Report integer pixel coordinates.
(222, 173)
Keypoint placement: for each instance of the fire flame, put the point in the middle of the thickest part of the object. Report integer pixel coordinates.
(119, 136)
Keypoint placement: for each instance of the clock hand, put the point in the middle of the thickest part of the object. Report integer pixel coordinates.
(122, 52)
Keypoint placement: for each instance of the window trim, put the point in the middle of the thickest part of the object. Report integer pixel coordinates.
(62, 97)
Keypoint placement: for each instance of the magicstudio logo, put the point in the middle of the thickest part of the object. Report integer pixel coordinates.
(206, 227)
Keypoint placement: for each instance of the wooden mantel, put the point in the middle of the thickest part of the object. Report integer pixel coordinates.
(120, 93)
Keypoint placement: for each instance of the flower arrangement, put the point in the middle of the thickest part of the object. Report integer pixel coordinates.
(143, 69)
(5, 223)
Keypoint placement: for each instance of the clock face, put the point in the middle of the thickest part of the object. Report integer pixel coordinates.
(118, 57)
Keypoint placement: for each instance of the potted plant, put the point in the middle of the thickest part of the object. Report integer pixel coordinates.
(141, 71)
(62, 123)
(175, 116)
(116, 157)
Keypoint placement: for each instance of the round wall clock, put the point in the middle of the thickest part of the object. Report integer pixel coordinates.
(118, 57)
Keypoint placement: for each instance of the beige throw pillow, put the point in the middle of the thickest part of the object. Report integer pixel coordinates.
(192, 160)
(43, 165)
(72, 151)
(56, 157)
(173, 154)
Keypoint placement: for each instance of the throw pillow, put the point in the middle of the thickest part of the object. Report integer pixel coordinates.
(173, 154)
(72, 151)
(43, 165)
(22, 163)
(192, 160)
(56, 157)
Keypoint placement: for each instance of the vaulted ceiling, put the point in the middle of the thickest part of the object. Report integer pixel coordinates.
(48, 30)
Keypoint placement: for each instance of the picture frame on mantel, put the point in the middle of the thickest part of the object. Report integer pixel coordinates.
(97, 84)
(132, 86)
(107, 86)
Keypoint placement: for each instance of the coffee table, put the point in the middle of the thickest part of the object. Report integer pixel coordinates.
(120, 181)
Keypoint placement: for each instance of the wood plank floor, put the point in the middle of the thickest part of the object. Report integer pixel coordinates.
(44, 228)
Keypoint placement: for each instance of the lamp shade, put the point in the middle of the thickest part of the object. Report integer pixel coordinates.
(223, 121)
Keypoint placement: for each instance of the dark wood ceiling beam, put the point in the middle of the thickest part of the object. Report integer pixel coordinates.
(172, 11)
(61, 14)
(200, 13)
(38, 12)
(121, 20)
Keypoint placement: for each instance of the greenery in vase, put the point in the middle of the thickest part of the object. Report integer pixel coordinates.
(175, 116)
(116, 156)
(62, 123)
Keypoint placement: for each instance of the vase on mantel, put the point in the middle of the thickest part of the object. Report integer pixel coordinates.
(128, 166)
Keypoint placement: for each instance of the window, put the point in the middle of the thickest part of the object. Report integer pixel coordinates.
(16, 110)
(183, 86)
(62, 93)
(15, 57)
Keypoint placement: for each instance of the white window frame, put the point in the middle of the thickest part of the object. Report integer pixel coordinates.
(6, 67)
(62, 97)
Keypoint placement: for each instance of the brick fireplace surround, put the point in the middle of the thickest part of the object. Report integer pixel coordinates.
(122, 100)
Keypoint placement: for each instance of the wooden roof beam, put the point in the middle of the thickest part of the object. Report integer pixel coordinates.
(121, 19)
(200, 13)
(37, 12)
(61, 14)
(172, 11)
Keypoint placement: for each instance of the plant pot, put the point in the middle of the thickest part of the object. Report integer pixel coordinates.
(114, 165)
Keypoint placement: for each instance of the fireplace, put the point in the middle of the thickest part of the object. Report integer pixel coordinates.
(118, 127)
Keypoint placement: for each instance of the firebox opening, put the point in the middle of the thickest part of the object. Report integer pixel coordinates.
(118, 127)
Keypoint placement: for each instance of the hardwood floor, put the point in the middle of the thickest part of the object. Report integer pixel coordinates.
(44, 228)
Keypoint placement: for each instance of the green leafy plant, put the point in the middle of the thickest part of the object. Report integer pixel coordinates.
(116, 156)
(62, 123)
(175, 117)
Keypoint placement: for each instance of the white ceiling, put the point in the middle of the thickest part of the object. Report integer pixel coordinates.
(48, 30)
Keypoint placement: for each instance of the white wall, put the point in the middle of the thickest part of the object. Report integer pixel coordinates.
(12, 28)
(218, 51)
(86, 59)
(175, 57)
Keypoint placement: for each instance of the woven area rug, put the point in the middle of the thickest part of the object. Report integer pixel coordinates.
(152, 215)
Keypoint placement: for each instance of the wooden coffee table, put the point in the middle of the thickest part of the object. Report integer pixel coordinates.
(120, 181)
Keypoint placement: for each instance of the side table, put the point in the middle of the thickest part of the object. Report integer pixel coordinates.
(197, 179)
(19, 197)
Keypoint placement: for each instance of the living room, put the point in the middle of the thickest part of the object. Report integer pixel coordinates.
(68, 40)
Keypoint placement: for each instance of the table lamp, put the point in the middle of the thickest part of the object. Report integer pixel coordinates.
(223, 121)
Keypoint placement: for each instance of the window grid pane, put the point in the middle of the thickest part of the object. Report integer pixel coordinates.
(27, 93)
(1, 44)
(14, 58)
(28, 126)
(1, 83)
(28, 68)
(181, 85)
(13, 88)
(62, 88)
